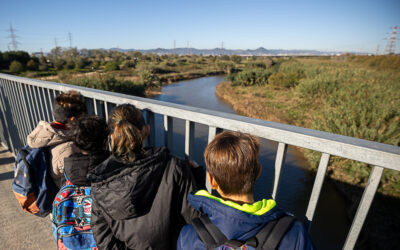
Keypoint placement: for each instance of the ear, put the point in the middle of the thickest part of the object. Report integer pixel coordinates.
(211, 180)
(259, 171)
(146, 131)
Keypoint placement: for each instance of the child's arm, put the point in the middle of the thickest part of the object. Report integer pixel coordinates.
(185, 184)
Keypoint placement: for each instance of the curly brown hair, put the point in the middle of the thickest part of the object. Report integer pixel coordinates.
(68, 104)
(90, 133)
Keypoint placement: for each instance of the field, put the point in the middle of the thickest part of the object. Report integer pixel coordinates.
(357, 96)
(348, 95)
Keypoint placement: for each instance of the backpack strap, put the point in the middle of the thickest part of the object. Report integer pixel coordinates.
(261, 237)
(268, 237)
(209, 234)
(279, 228)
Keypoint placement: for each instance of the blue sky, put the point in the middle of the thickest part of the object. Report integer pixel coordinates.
(357, 26)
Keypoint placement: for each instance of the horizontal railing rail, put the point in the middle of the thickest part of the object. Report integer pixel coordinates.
(24, 102)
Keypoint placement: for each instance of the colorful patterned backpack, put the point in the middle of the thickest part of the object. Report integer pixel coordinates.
(72, 209)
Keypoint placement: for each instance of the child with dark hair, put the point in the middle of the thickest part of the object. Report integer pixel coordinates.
(72, 207)
(67, 107)
(90, 135)
(232, 169)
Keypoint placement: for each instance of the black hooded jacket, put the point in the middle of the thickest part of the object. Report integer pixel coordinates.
(141, 205)
(78, 165)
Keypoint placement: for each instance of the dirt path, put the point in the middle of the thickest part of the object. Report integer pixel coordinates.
(18, 229)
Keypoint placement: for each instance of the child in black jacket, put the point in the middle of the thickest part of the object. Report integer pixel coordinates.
(139, 193)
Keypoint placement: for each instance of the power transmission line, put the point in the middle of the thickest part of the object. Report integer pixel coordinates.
(391, 45)
(70, 39)
(13, 37)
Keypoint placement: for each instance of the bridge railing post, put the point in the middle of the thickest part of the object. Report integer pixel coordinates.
(24, 130)
(168, 132)
(18, 116)
(5, 117)
(189, 139)
(363, 207)
(150, 119)
(316, 191)
(280, 158)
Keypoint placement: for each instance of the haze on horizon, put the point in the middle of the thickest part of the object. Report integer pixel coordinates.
(356, 26)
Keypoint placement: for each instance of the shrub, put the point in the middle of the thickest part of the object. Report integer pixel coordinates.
(16, 67)
(321, 86)
(80, 63)
(111, 66)
(160, 70)
(149, 79)
(95, 64)
(236, 59)
(110, 83)
(256, 65)
(69, 64)
(170, 64)
(286, 80)
(251, 77)
(43, 67)
(59, 64)
(31, 65)
(129, 64)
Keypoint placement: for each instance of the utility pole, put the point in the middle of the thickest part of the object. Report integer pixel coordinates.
(391, 45)
(70, 39)
(377, 50)
(222, 48)
(175, 47)
(13, 37)
(55, 42)
(187, 49)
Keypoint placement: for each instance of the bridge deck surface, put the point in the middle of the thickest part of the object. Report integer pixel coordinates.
(18, 229)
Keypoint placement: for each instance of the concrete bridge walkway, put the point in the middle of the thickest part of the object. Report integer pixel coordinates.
(18, 229)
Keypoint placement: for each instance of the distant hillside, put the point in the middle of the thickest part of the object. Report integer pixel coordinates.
(218, 51)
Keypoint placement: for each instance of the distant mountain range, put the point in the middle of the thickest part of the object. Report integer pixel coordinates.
(218, 51)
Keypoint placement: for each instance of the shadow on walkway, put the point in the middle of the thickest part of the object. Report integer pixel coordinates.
(6, 160)
(6, 176)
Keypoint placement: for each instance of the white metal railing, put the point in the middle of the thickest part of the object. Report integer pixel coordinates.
(24, 102)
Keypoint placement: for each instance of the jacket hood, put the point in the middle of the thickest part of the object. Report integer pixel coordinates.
(45, 135)
(127, 190)
(242, 225)
(77, 166)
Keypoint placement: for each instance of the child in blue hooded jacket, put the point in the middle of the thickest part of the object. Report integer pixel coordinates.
(232, 169)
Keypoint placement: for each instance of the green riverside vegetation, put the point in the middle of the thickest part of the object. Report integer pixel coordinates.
(357, 96)
(114, 70)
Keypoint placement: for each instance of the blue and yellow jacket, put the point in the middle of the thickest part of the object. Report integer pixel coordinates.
(240, 222)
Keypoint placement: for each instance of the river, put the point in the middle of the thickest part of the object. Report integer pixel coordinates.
(330, 224)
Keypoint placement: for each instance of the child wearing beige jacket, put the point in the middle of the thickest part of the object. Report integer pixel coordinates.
(66, 107)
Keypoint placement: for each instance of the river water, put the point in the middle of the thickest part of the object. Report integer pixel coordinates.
(330, 223)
